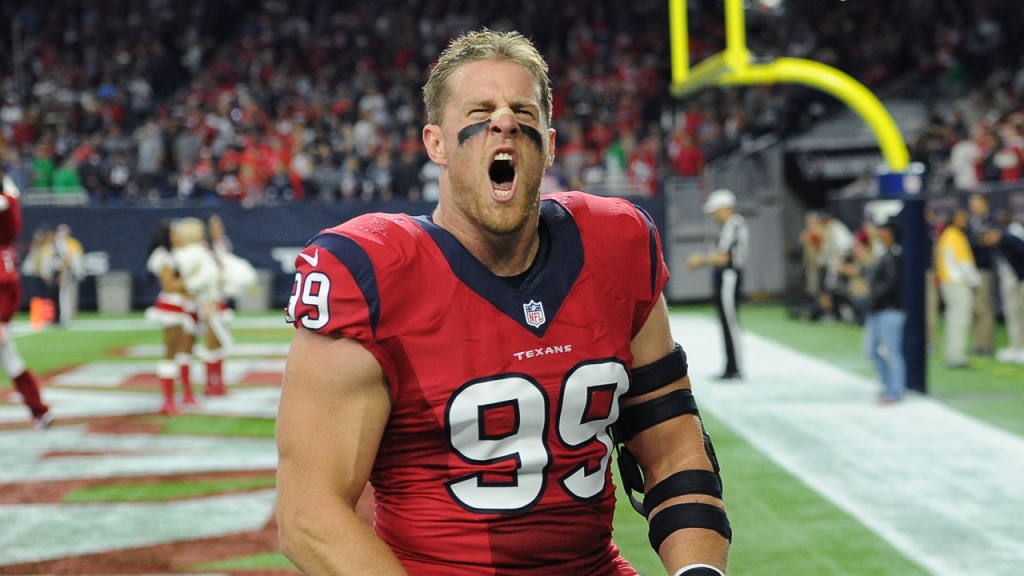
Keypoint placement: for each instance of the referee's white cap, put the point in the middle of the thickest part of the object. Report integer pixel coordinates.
(720, 198)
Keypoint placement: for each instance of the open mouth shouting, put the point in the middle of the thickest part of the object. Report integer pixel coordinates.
(503, 175)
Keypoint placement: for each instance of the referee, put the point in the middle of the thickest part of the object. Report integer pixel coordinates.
(728, 259)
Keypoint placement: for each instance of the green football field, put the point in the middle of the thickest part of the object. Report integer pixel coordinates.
(782, 526)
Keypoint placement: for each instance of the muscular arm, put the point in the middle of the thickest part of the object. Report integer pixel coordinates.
(674, 445)
(334, 407)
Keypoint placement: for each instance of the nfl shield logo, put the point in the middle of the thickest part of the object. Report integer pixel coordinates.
(534, 313)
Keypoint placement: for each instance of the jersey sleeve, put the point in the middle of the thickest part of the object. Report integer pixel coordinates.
(10, 220)
(657, 273)
(336, 291)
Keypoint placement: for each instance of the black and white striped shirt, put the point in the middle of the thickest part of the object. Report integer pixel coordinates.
(734, 239)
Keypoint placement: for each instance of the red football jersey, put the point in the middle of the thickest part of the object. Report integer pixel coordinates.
(10, 282)
(496, 456)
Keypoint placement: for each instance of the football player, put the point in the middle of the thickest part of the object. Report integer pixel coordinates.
(470, 364)
(10, 302)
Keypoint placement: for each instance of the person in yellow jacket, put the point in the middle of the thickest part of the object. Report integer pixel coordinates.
(958, 276)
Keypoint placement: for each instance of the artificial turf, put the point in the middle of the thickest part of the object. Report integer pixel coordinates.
(780, 525)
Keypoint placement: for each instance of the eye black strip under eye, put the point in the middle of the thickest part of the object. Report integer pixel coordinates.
(473, 129)
(533, 134)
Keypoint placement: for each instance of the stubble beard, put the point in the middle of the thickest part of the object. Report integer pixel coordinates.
(495, 218)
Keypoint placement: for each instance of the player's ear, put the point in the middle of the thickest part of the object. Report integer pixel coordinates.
(551, 147)
(434, 144)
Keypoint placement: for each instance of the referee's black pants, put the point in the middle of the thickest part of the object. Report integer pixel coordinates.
(728, 283)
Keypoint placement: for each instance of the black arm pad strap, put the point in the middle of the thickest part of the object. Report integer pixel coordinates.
(686, 482)
(658, 374)
(701, 571)
(644, 415)
(690, 515)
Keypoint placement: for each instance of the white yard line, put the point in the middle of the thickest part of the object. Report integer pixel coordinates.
(21, 326)
(944, 489)
(27, 533)
(38, 532)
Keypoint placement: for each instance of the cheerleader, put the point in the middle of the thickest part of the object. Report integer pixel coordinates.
(176, 313)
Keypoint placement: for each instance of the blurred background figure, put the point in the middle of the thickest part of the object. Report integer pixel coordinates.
(836, 251)
(886, 318)
(238, 275)
(810, 243)
(201, 274)
(66, 259)
(1008, 240)
(983, 322)
(11, 362)
(958, 277)
(32, 264)
(175, 312)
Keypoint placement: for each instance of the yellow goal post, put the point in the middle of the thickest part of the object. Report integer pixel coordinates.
(733, 66)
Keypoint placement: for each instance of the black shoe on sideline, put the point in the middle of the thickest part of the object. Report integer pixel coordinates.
(730, 376)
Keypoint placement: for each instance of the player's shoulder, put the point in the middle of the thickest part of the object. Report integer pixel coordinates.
(375, 245)
(383, 237)
(610, 215)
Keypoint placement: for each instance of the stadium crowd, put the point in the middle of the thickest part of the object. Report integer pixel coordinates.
(294, 99)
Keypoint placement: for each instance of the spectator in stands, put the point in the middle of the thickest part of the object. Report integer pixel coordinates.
(149, 158)
(119, 183)
(643, 165)
(430, 177)
(965, 160)
(16, 167)
(379, 175)
(225, 85)
(958, 277)
(573, 153)
(325, 179)
(42, 166)
(1009, 159)
(65, 177)
(405, 172)
(686, 157)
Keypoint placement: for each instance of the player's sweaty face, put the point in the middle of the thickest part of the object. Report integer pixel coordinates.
(498, 144)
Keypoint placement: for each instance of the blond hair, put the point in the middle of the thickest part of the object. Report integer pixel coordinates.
(188, 231)
(476, 47)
